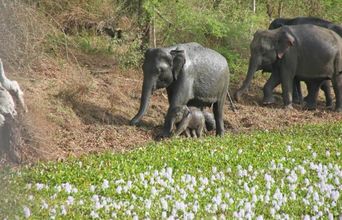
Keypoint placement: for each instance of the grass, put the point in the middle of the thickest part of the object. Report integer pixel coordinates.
(299, 169)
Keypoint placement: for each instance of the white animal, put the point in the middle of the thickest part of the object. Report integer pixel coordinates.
(12, 86)
(7, 106)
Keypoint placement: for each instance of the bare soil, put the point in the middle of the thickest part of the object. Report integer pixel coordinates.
(76, 110)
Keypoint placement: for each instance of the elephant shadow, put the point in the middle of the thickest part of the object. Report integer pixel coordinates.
(90, 113)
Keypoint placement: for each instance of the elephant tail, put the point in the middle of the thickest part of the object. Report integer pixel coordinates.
(232, 105)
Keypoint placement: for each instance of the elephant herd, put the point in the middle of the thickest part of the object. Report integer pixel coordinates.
(299, 49)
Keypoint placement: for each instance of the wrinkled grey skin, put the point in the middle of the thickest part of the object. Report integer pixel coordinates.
(189, 120)
(325, 85)
(307, 52)
(192, 75)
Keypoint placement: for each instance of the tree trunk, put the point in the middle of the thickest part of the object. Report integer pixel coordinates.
(280, 9)
(254, 6)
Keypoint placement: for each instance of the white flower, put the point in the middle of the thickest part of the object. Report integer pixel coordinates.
(95, 198)
(92, 188)
(105, 184)
(227, 195)
(153, 191)
(327, 153)
(44, 205)
(231, 201)
(70, 200)
(148, 204)
(268, 178)
(214, 169)
(189, 215)
(39, 186)
(224, 207)
(30, 197)
(309, 147)
(195, 207)
(240, 151)
(164, 215)
(289, 148)
(246, 187)
(179, 205)
(63, 210)
(314, 155)
(119, 189)
(338, 153)
(335, 195)
(94, 214)
(164, 204)
(81, 202)
(27, 212)
(250, 168)
(67, 187)
(272, 211)
(306, 217)
(260, 217)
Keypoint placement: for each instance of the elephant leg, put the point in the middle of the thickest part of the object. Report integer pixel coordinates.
(269, 86)
(182, 126)
(297, 95)
(168, 125)
(287, 88)
(169, 93)
(337, 84)
(187, 133)
(200, 129)
(218, 115)
(325, 86)
(193, 131)
(311, 98)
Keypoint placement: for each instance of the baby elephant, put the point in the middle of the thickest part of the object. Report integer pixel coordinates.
(190, 120)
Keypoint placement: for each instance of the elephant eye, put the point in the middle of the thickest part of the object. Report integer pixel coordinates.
(159, 70)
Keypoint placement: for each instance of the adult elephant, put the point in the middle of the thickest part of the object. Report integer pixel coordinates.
(325, 85)
(192, 75)
(278, 22)
(307, 52)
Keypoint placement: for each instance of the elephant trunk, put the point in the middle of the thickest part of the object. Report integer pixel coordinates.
(144, 101)
(252, 68)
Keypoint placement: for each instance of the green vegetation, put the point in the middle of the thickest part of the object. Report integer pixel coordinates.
(219, 175)
(224, 25)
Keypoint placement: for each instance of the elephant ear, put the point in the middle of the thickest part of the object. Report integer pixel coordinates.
(178, 60)
(285, 41)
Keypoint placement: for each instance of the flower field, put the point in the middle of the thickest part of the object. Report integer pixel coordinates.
(292, 174)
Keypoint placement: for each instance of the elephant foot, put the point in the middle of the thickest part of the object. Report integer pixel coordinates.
(219, 134)
(289, 106)
(237, 96)
(298, 101)
(268, 100)
(338, 109)
(329, 103)
(310, 107)
(162, 136)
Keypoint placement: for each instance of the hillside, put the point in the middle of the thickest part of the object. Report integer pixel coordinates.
(83, 86)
